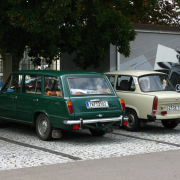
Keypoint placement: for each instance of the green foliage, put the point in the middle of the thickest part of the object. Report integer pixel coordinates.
(36, 61)
(165, 12)
(86, 27)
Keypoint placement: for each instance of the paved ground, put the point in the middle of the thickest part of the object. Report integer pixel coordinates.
(21, 148)
(153, 166)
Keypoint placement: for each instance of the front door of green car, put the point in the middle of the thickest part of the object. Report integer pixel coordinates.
(29, 98)
(9, 95)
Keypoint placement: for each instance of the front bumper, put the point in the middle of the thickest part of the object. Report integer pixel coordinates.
(120, 119)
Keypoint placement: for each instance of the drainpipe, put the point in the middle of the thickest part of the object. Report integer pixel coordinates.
(118, 60)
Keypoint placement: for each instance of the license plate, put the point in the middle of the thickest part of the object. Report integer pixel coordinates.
(174, 108)
(97, 104)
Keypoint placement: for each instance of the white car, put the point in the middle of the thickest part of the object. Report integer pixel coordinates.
(149, 96)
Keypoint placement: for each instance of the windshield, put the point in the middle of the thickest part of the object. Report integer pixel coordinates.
(158, 82)
(88, 85)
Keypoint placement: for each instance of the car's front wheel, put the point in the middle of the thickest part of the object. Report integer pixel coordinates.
(43, 127)
(96, 132)
(133, 122)
(169, 124)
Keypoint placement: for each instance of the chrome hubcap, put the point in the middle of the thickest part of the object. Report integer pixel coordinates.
(131, 120)
(43, 126)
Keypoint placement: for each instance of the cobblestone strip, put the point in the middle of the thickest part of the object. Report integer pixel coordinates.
(135, 137)
(40, 148)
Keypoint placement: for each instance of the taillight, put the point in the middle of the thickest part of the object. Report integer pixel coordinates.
(163, 112)
(123, 104)
(155, 105)
(70, 107)
(125, 123)
(76, 126)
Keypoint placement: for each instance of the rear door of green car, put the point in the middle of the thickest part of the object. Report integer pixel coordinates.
(93, 97)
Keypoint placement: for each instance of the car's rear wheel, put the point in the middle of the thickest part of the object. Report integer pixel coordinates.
(133, 122)
(43, 127)
(169, 124)
(96, 132)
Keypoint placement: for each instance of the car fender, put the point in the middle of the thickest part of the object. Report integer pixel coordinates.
(140, 102)
(35, 114)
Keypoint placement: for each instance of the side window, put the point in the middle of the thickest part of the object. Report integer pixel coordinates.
(32, 84)
(52, 86)
(144, 83)
(13, 83)
(112, 80)
(125, 83)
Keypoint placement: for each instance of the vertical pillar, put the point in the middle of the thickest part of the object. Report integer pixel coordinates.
(7, 66)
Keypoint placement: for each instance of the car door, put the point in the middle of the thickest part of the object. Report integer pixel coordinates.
(128, 89)
(92, 97)
(29, 98)
(53, 102)
(9, 96)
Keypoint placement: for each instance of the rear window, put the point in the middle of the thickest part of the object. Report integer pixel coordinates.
(152, 83)
(88, 85)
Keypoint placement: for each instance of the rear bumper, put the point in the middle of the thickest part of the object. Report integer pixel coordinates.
(120, 119)
(151, 117)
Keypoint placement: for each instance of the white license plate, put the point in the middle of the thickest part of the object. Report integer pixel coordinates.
(174, 108)
(97, 104)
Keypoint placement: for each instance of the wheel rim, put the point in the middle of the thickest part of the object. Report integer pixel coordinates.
(131, 120)
(43, 126)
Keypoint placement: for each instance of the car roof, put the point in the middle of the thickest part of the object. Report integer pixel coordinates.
(56, 72)
(136, 73)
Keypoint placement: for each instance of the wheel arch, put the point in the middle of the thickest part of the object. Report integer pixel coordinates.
(135, 110)
(36, 113)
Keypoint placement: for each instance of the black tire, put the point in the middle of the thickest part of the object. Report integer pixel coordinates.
(95, 132)
(133, 122)
(169, 124)
(43, 127)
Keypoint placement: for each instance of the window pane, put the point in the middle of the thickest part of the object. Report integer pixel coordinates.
(52, 86)
(112, 80)
(88, 85)
(125, 83)
(14, 84)
(32, 84)
(155, 83)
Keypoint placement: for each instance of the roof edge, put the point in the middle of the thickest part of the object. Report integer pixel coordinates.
(156, 28)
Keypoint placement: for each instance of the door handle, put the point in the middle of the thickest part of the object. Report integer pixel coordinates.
(35, 100)
(14, 97)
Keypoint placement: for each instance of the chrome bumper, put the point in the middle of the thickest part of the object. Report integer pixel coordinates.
(121, 119)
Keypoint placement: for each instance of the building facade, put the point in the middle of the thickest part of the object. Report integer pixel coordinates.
(25, 64)
(143, 50)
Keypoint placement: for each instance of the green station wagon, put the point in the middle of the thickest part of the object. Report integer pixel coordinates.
(56, 100)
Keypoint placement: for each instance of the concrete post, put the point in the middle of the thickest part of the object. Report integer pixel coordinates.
(7, 66)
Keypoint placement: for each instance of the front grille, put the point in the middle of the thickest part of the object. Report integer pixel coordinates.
(175, 78)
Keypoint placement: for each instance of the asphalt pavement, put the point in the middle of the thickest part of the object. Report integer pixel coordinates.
(150, 166)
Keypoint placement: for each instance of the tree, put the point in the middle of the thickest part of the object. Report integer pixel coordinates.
(12, 39)
(86, 27)
(165, 12)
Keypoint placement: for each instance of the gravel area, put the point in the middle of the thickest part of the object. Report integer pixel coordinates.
(79, 144)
